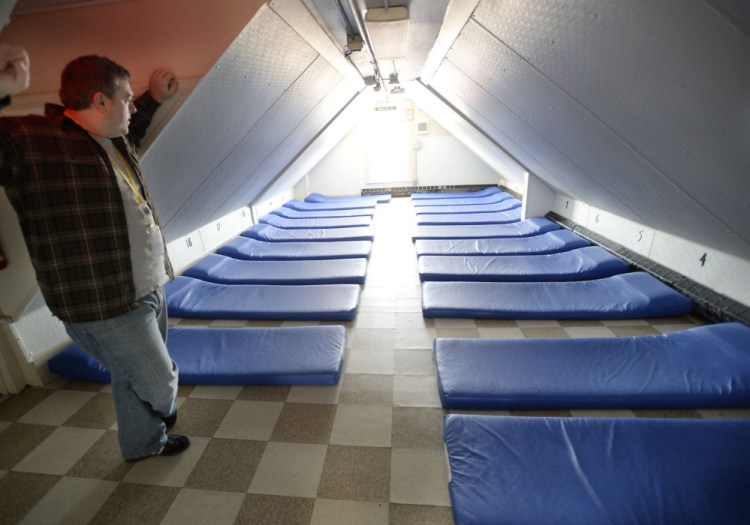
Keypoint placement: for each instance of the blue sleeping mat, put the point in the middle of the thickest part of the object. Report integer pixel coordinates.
(318, 206)
(498, 217)
(317, 197)
(485, 192)
(306, 355)
(534, 470)
(255, 250)
(591, 262)
(221, 269)
(527, 228)
(490, 199)
(289, 213)
(550, 242)
(193, 298)
(704, 367)
(505, 205)
(322, 222)
(266, 232)
(625, 296)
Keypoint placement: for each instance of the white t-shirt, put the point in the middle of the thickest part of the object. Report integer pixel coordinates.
(146, 242)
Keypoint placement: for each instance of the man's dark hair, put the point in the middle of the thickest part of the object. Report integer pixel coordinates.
(87, 75)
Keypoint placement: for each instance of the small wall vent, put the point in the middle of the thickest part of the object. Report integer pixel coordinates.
(422, 128)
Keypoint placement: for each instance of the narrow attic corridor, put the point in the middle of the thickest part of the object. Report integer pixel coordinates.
(368, 451)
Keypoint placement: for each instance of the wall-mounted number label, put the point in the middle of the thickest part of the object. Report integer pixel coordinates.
(703, 259)
(596, 219)
(566, 204)
(218, 226)
(640, 236)
(189, 242)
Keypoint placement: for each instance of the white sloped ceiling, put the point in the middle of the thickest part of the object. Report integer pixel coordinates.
(641, 108)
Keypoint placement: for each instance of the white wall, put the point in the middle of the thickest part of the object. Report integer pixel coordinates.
(718, 271)
(437, 158)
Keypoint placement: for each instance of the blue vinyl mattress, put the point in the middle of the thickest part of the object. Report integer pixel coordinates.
(535, 470)
(299, 205)
(193, 298)
(317, 197)
(485, 192)
(266, 232)
(289, 213)
(527, 228)
(550, 242)
(308, 355)
(322, 222)
(498, 217)
(703, 367)
(506, 205)
(625, 296)
(227, 270)
(591, 262)
(255, 250)
(490, 199)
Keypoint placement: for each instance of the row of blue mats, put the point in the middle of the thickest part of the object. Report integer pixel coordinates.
(503, 469)
(479, 262)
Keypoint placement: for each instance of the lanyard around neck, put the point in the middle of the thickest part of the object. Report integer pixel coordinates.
(124, 170)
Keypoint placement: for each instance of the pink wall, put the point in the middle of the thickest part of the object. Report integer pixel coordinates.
(186, 36)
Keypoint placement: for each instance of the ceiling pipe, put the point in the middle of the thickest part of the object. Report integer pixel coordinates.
(366, 37)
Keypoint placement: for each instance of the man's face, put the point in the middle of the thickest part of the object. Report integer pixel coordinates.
(118, 110)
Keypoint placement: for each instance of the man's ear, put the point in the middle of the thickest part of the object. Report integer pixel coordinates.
(98, 101)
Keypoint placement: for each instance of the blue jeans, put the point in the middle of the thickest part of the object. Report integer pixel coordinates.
(133, 348)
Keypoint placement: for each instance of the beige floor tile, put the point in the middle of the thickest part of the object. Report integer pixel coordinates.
(57, 407)
(60, 451)
(71, 501)
(228, 323)
(502, 332)
(544, 332)
(414, 320)
(451, 322)
(415, 391)
(201, 417)
(537, 323)
(171, 471)
(630, 331)
(216, 392)
(457, 332)
(414, 362)
(725, 413)
(336, 512)
(372, 338)
(421, 338)
(204, 506)
(376, 320)
(4, 425)
(325, 395)
(102, 461)
(419, 476)
(625, 322)
(401, 514)
(362, 425)
(250, 420)
(289, 469)
(588, 331)
(264, 393)
(370, 361)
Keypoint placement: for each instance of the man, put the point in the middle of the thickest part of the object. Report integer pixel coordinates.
(74, 180)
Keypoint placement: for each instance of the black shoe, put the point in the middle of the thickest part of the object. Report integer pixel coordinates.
(170, 420)
(176, 444)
